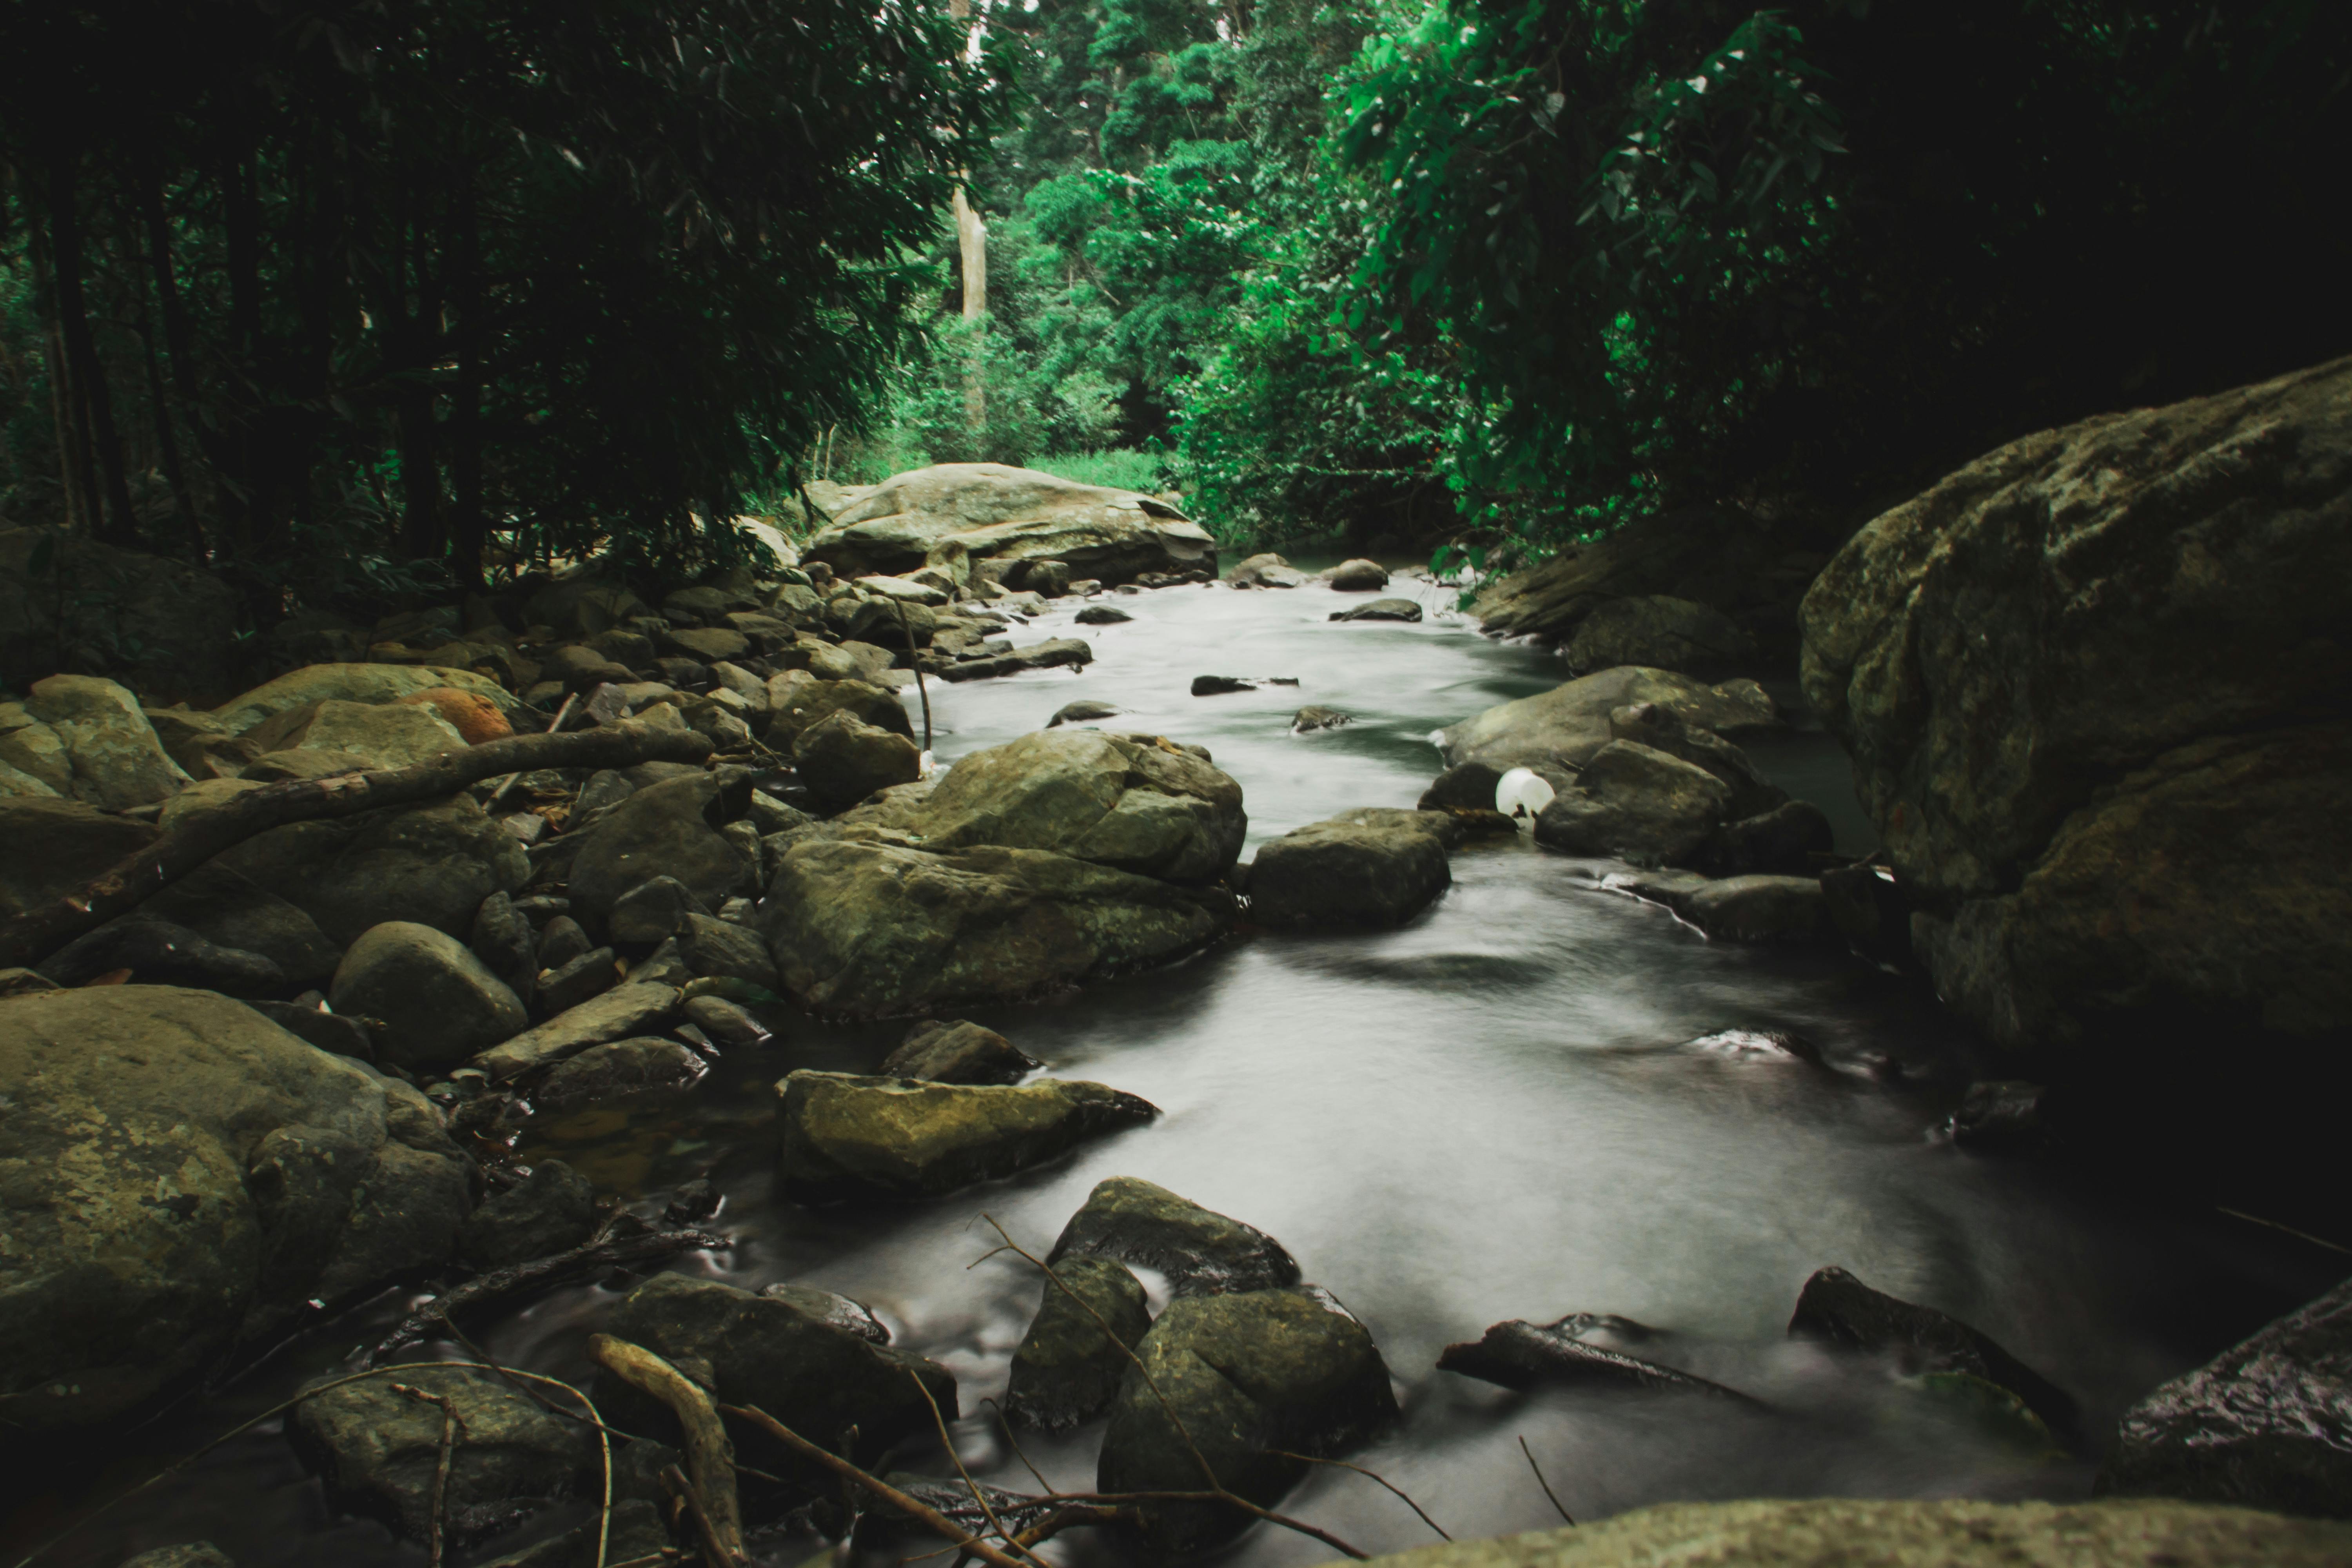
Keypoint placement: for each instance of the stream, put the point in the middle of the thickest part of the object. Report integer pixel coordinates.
(1499, 1112)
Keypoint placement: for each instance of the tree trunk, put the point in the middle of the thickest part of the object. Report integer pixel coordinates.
(971, 248)
(73, 480)
(89, 377)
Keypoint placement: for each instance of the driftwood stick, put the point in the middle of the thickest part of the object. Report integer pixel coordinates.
(130, 882)
(928, 1516)
(438, 1505)
(709, 1452)
(1543, 1483)
(626, 1253)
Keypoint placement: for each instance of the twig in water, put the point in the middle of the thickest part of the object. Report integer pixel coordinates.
(1543, 1483)
(439, 1506)
(1371, 1476)
(1018, 1452)
(969, 1485)
(709, 1452)
(627, 1252)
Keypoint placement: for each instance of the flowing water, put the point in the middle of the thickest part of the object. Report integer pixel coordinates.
(1499, 1112)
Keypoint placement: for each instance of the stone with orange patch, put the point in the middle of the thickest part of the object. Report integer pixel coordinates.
(475, 718)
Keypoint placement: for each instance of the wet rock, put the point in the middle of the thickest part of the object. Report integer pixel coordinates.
(1791, 840)
(1447, 827)
(377, 1451)
(389, 736)
(653, 911)
(873, 929)
(691, 1202)
(431, 864)
(1080, 711)
(711, 946)
(631, 1009)
(726, 1022)
(1068, 1371)
(1330, 875)
(370, 683)
(1771, 1045)
(666, 829)
(1637, 803)
(2267, 1423)
(1759, 909)
(552, 1210)
(1265, 571)
(1311, 718)
(2001, 1113)
(1562, 728)
(644, 1064)
(188, 1175)
(158, 953)
(847, 1136)
(957, 1051)
(792, 1354)
(1358, 576)
(560, 941)
(1057, 653)
(1838, 1307)
(1465, 786)
(1134, 804)
(1659, 727)
(501, 938)
(1103, 615)
(2065, 699)
(960, 516)
(796, 705)
(113, 752)
(1220, 685)
(1661, 633)
(1380, 610)
(67, 600)
(1946, 1532)
(1518, 1354)
(843, 759)
(1201, 1252)
(1249, 1376)
(328, 1031)
(432, 1002)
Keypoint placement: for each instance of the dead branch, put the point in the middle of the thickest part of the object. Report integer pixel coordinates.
(628, 1252)
(127, 883)
(1018, 1451)
(1369, 1475)
(956, 1459)
(438, 1505)
(1541, 1482)
(709, 1452)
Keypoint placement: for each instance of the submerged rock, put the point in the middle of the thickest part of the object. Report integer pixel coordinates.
(1759, 909)
(1200, 1251)
(377, 1451)
(1068, 1371)
(1837, 1306)
(1312, 718)
(847, 1136)
(183, 1177)
(1518, 1354)
(1362, 874)
(1250, 1377)
(957, 1051)
(2265, 1424)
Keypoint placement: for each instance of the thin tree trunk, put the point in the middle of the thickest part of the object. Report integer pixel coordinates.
(972, 249)
(73, 480)
(468, 524)
(121, 526)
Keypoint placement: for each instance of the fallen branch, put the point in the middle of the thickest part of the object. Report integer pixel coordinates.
(978, 1495)
(1543, 1483)
(626, 1253)
(1371, 1476)
(439, 1504)
(553, 725)
(124, 886)
(709, 1452)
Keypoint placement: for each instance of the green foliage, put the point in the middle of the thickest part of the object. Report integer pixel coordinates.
(1123, 469)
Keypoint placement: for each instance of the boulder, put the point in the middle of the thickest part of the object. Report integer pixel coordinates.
(1048, 579)
(1350, 874)
(813, 1361)
(32, 760)
(957, 1051)
(1251, 1377)
(796, 704)
(158, 953)
(182, 1178)
(431, 1004)
(224, 908)
(1662, 728)
(873, 929)
(550, 1210)
(1265, 571)
(1793, 839)
(1945, 1533)
(621, 1012)
(639, 1065)
(369, 683)
(1143, 805)
(1661, 633)
(1524, 1355)
(2099, 702)
(952, 514)
(1564, 727)
(388, 734)
(666, 829)
(68, 601)
(1066, 1370)
(583, 606)
(847, 1136)
(1380, 610)
(1058, 653)
(1837, 1306)
(2265, 1424)
(1469, 786)
(1637, 803)
(377, 1451)
(110, 750)
(843, 759)
(432, 864)
(1358, 576)
(1200, 1251)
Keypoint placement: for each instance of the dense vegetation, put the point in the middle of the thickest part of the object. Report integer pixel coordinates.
(394, 289)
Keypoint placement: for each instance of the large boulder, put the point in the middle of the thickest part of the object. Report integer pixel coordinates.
(369, 683)
(182, 1176)
(1200, 1251)
(1563, 728)
(1351, 874)
(871, 930)
(109, 748)
(816, 1363)
(1135, 804)
(430, 1004)
(951, 514)
(847, 1136)
(1251, 1379)
(2267, 1423)
(2099, 698)
(666, 829)
(70, 603)
(1662, 633)
(1945, 1533)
